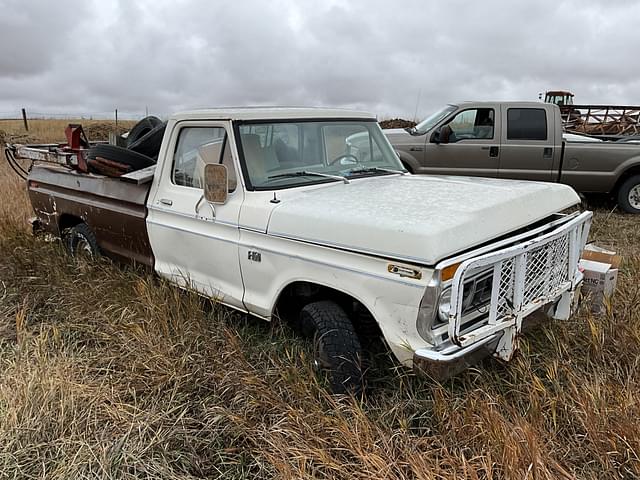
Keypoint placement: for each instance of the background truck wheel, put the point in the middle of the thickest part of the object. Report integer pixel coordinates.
(149, 144)
(336, 348)
(135, 160)
(80, 242)
(629, 195)
(141, 128)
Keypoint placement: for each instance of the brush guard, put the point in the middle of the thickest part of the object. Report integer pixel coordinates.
(540, 272)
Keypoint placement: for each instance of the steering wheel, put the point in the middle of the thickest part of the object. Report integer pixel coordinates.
(344, 155)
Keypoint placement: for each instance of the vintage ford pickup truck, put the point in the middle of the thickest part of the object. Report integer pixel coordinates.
(272, 211)
(522, 140)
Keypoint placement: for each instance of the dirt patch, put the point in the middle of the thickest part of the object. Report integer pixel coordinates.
(100, 131)
(396, 123)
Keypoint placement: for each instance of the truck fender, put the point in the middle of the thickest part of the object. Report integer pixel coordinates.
(628, 168)
(409, 161)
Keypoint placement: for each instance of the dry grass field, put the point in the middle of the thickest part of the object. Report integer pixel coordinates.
(107, 372)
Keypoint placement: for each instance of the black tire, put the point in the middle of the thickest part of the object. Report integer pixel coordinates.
(141, 128)
(149, 144)
(629, 195)
(80, 242)
(336, 346)
(135, 160)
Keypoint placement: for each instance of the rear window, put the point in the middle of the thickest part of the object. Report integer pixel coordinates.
(526, 124)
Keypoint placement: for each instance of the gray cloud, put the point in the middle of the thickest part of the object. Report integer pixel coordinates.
(393, 58)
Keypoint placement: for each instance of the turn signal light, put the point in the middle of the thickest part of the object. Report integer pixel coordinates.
(448, 272)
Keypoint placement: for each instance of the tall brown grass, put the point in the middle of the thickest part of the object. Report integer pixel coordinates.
(109, 372)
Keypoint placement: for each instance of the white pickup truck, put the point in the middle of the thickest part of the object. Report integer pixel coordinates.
(273, 211)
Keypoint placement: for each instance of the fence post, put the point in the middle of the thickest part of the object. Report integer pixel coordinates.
(24, 119)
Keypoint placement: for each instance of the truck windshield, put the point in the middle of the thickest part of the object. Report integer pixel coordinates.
(295, 153)
(433, 119)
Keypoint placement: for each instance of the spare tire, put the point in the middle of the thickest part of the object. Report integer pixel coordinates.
(135, 160)
(141, 128)
(149, 144)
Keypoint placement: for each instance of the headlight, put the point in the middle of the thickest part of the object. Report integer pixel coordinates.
(428, 311)
(444, 305)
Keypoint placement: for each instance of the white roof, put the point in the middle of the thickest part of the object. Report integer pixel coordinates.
(268, 113)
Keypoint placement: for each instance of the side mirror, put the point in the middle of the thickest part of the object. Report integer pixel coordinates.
(445, 133)
(216, 183)
(435, 137)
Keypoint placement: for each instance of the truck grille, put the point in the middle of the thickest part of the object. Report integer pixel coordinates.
(546, 270)
(511, 283)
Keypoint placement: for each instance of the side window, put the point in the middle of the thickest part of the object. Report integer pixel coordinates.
(198, 146)
(526, 124)
(476, 123)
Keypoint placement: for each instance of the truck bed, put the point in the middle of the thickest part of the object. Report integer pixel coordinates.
(112, 207)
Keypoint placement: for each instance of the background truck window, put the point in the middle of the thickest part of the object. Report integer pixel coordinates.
(526, 124)
(198, 146)
(475, 123)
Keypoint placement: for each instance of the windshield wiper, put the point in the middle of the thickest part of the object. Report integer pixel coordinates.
(304, 173)
(375, 170)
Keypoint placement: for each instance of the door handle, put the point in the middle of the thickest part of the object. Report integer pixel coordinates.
(547, 152)
(166, 201)
(493, 151)
(416, 149)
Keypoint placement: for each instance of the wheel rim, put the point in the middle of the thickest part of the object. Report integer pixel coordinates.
(320, 362)
(83, 248)
(634, 197)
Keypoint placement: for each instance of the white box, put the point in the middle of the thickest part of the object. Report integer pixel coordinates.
(600, 269)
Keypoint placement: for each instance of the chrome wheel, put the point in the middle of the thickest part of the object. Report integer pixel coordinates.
(634, 197)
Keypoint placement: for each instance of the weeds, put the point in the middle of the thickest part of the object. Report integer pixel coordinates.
(110, 372)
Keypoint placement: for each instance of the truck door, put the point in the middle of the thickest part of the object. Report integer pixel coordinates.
(528, 144)
(195, 243)
(473, 147)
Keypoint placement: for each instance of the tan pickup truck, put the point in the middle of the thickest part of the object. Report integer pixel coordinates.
(521, 140)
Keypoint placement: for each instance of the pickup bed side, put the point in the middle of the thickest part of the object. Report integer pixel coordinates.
(113, 209)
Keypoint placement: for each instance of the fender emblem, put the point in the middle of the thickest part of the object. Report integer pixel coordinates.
(404, 271)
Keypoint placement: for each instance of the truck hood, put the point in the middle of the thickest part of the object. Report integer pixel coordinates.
(416, 218)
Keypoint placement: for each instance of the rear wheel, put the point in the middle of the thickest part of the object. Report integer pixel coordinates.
(629, 195)
(336, 347)
(80, 242)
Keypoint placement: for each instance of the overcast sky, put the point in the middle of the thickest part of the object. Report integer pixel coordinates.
(389, 57)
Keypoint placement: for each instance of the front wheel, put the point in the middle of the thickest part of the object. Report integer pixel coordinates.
(629, 195)
(336, 347)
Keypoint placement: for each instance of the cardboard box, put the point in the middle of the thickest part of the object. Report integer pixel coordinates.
(600, 269)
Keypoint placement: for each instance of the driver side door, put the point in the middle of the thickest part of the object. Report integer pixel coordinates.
(196, 243)
(473, 148)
